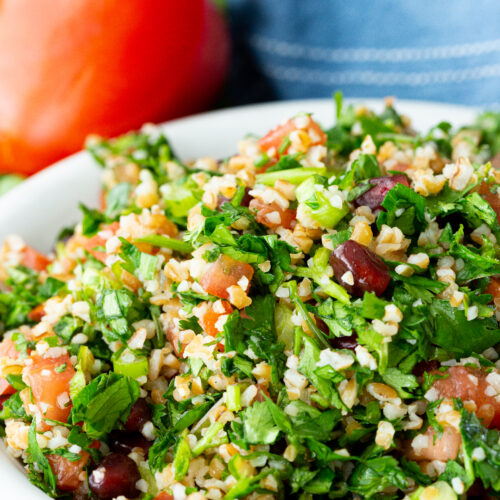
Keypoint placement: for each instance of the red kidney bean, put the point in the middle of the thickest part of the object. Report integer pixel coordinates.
(125, 442)
(346, 342)
(115, 475)
(374, 197)
(349, 342)
(369, 272)
(3, 399)
(139, 415)
(425, 366)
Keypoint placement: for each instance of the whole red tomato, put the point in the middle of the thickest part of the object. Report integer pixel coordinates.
(73, 67)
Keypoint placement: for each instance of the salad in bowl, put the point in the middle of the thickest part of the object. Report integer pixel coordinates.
(315, 316)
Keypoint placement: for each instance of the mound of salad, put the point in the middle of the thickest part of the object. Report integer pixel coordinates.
(315, 316)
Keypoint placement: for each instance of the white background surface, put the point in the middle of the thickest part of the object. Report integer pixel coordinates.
(48, 201)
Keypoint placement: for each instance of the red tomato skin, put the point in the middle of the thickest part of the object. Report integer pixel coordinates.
(441, 448)
(37, 313)
(288, 217)
(46, 384)
(8, 349)
(163, 496)
(33, 259)
(92, 243)
(67, 472)
(274, 138)
(459, 385)
(491, 198)
(223, 273)
(5, 388)
(101, 67)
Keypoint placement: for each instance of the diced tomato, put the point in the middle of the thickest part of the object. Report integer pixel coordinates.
(470, 384)
(163, 496)
(7, 350)
(67, 472)
(33, 259)
(275, 137)
(492, 198)
(223, 273)
(493, 289)
(6, 388)
(441, 448)
(211, 317)
(48, 386)
(400, 167)
(264, 214)
(92, 244)
(37, 313)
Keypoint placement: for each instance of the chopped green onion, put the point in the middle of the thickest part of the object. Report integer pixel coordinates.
(128, 363)
(294, 175)
(147, 267)
(233, 394)
(61, 368)
(314, 199)
(294, 297)
(77, 383)
(297, 340)
(261, 160)
(85, 358)
(317, 274)
(182, 457)
(165, 242)
(208, 440)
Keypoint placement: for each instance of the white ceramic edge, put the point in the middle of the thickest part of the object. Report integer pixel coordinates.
(76, 178)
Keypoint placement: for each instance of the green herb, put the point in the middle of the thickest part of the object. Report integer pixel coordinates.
(91, 221)
(39, 464)
(117, 200)
(476, 436)
(166, 242)
(182, 457)
(294, 175)
(375, 475)
(401, 197)
(104, 403)
(258, 424)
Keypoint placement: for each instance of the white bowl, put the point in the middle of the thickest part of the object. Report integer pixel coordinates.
(41, 206)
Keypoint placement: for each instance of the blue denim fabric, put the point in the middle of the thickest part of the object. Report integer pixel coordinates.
(443, 50)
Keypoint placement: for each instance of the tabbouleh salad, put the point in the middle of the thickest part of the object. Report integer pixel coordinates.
(313, 317)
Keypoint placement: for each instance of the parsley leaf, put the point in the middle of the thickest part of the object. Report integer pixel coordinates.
(39, 464)
(412, 218)
(258, 424)
(104, 403)
(117, 199)
(475, 435)
(452, 331)
(375, 475)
